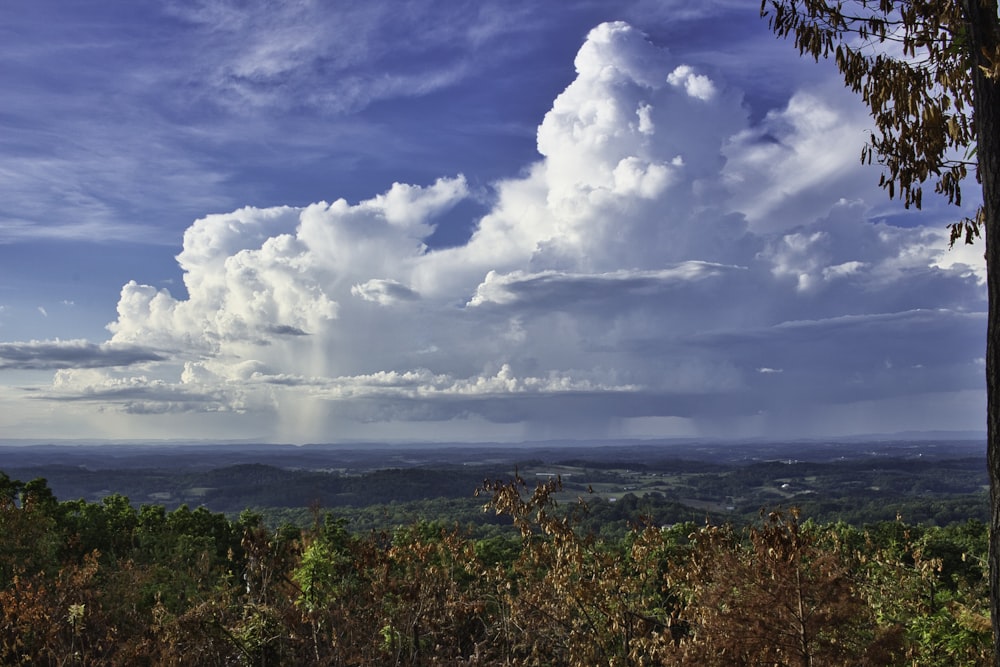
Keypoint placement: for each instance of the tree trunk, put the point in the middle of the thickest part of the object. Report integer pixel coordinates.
(984, 35)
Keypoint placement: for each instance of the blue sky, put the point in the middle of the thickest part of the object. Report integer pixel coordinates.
(492, 220)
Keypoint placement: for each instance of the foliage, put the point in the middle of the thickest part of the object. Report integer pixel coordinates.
(929, 71)
(910, 62)
(774, 595)
(189, 587)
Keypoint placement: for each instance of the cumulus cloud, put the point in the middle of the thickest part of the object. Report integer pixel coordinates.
(800, 160)
(385, 292)
(664, 257)
(695, 85)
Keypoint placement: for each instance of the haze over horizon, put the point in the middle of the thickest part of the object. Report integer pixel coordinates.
(478, 222)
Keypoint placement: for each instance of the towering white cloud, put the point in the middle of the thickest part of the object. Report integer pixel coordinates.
(664, 258)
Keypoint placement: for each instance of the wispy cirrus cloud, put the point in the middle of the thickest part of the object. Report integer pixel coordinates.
(302, 54)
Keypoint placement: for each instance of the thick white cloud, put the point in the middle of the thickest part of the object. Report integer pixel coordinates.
(695, 85)
(664, 259)
(800, 160)
(385, 292)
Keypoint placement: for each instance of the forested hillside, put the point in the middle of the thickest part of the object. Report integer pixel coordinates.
(106, 583)
(380, 488)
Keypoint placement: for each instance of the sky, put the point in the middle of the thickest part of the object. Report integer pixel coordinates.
(489, 220)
